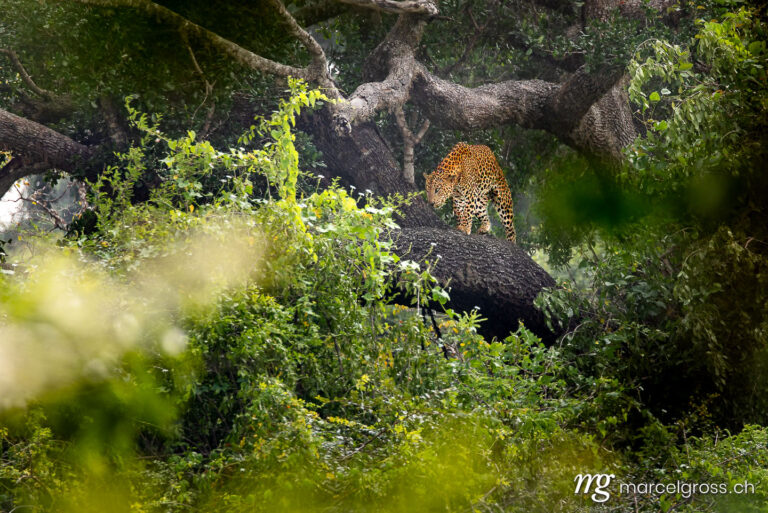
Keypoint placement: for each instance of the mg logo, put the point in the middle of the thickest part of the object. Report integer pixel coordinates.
(602, 481)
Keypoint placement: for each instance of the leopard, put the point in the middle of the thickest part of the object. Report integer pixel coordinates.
(471, 176)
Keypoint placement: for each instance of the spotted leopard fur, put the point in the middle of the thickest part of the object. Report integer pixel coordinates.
(471, 176)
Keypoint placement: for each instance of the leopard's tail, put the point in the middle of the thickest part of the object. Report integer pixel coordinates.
(502, 199)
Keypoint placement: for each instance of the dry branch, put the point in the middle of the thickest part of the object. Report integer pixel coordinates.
(396, 6)
(25, 77)
(37, 199)
(208, 91)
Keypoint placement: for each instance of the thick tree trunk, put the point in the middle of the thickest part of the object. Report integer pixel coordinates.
(481, 271)
(493, 275)
(363, 160)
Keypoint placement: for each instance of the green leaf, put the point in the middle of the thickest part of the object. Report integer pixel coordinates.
(440, 295)
(756, 47)
(654, 97)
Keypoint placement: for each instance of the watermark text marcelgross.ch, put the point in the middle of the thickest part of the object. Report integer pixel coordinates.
(597, 486)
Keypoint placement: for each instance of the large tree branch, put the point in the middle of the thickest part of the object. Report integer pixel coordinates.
(36, 148)
(315, 72)
(33, 140)
(570, 102)
(582, 112)
(536, 104)
(373, 97)
(319, 62)
(589, 111)
(390, 69)
(395, 77)
(452, 106)
(492, 274)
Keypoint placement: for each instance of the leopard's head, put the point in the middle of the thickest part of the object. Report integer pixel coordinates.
(439, 188)
(441, 182)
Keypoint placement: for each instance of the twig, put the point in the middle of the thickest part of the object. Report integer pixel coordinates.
(44, 204)
(208, 91)
(365, 444)
(45, 94)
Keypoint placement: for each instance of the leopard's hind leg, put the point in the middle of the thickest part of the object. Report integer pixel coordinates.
(502, 199)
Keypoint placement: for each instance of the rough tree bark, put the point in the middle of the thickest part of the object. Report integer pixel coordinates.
(36, 148)
(589, 112)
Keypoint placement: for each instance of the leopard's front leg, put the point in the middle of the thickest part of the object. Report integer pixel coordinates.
(463, 213)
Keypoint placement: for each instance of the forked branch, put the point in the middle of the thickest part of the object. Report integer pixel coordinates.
(410, 140)
(317, 71)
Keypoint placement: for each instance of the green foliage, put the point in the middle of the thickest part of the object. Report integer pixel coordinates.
(670, 297)
(706, 123)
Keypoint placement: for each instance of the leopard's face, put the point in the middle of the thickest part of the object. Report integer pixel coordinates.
(441, 182)
(439, 188)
